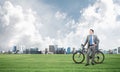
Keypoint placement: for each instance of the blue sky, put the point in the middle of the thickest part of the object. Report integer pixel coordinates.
(71, 7)
(39, 23)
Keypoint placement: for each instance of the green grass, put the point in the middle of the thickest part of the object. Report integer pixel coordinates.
(54, 63)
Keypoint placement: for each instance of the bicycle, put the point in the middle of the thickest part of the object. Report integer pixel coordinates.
(79, 56)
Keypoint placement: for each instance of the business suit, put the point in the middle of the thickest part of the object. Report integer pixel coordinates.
(91, 48)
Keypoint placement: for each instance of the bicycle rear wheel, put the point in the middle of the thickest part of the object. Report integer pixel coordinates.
(78, 57)
(99, 57)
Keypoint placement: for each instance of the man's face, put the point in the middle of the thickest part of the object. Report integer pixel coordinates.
(90, 32)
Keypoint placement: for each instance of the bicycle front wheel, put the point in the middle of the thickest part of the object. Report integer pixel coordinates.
(99, 57)
(78, 57)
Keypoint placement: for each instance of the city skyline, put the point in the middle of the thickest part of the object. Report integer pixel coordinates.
(40, 23)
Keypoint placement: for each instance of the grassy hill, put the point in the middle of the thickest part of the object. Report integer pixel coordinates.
(54, 63)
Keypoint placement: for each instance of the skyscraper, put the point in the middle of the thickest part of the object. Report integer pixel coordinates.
(14, 49)
(53, 48)
(68, 50)
(118, 50)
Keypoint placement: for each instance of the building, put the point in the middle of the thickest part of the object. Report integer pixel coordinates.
(46, 51)
(22, 47)
(53, 48)
(114, 51)
(60, 51)
(73, 51)
(33, 50)
(14, 49)
(68, 50)
(26, 51)
(118, 50)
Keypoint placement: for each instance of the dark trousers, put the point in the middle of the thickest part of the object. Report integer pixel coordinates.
(90, 52)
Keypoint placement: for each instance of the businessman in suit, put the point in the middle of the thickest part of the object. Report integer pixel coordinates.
(92, 41)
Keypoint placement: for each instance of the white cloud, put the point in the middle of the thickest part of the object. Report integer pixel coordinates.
(101, 16)
(20, 26)
(27, 28)
(60, 15)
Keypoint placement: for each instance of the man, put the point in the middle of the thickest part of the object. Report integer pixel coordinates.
(92, 42)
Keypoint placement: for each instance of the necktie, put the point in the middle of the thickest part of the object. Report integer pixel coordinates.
(90, 39)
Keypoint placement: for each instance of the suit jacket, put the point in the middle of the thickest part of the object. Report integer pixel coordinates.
(95, 40)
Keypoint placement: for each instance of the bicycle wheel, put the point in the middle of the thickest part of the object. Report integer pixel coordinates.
(99, 57)
(78, 57)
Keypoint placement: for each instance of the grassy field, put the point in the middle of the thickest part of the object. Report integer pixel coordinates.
(54, 63)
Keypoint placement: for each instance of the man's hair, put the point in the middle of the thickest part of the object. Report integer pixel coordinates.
(92, 30)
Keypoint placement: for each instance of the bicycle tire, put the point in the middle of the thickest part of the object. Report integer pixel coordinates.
(81, 57)
(98, 59)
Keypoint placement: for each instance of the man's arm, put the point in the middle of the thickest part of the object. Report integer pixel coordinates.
(97, 40)
(97, 43)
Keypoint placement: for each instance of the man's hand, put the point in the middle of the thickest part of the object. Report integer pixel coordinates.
(95, 44)
(82, 45)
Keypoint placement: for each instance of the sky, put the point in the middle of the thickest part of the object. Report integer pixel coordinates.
(66, 23)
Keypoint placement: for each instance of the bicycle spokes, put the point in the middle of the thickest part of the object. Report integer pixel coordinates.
(78, 57)
(99, 57)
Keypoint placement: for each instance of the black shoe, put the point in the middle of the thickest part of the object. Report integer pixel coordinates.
(92, 63)
(87, 64)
